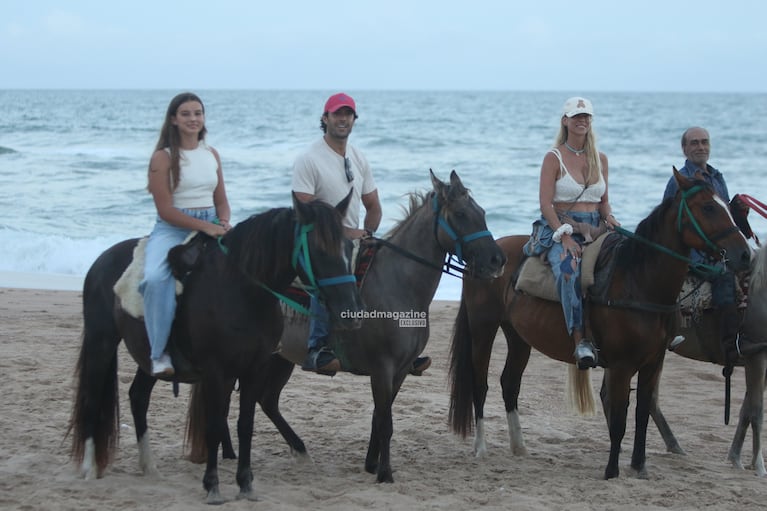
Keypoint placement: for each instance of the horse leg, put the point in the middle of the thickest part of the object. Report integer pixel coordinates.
(647, 387)
(215, 423)
(227, 448)
(672, 445)
(139, 393)
(751, 413)
(471, 346)
(517, 357)
(278, 374)
(617, 383)
(248, 395)
(378, 459)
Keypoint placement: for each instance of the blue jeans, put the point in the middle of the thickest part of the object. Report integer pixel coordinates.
(568, 279)
(158, 286)
(318, 324)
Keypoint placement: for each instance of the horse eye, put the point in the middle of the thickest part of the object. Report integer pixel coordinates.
(709, 208)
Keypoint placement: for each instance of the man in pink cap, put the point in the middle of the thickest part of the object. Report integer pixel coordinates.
(328, 170)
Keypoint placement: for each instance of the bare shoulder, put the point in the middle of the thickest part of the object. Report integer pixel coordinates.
(215, 154)
(160, 160)
(550, 162)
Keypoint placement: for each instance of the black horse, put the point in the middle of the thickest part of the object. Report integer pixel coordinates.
(228, 323)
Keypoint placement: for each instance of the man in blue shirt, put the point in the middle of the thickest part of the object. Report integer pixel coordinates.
(696, 146)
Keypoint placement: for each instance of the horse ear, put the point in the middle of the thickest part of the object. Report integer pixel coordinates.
(681, 180)
(456, 186)
(342, 206)
(303, 212)
(439, 186)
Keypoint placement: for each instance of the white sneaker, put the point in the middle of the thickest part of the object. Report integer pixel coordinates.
(162, 366)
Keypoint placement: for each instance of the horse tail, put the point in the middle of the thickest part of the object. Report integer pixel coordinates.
(461, 375)
(580, 393)
(96, 408)
(194, 440)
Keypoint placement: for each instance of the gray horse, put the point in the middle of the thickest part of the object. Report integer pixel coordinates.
(702, 343)
(397, 291)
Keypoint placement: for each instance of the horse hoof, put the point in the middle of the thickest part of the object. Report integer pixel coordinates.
(385, 478)
(215, 498)
(247, 495)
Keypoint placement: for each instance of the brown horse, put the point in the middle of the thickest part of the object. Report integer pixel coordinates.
(631, 323)
(702, 342)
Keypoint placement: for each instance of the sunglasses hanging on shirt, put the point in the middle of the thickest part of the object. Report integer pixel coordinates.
(348, 170)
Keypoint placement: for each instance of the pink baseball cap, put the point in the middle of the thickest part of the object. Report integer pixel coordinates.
(339, 100)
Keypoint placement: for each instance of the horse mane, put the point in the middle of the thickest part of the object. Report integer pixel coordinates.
(261, 246)
(416, 200)
(328, 227)
(247, 242)
(758, 271)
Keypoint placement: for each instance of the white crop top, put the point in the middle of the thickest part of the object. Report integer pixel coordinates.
(567, 189)
(199, 178)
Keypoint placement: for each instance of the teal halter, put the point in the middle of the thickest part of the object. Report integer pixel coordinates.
(702, 268)
(301, 259)
(439, 221)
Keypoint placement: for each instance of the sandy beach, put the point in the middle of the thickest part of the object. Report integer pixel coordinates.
(434, 469)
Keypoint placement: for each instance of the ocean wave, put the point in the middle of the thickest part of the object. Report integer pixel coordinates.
(35, 253)
(6, 150)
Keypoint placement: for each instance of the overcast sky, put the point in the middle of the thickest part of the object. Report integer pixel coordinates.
(609, 45)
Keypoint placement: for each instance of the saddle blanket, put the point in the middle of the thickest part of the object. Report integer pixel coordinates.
(126, 287)
(536, 278)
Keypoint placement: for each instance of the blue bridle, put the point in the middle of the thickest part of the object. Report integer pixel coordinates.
(439, 221)
(300, 259)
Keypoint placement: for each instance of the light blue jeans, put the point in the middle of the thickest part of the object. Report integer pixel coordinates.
(158, 286)
(568, 279)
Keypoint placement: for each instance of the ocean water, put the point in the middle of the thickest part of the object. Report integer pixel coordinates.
(73, 162)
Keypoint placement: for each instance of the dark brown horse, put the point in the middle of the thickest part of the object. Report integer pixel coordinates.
(227, 326)
(702, 342)
(631, 323)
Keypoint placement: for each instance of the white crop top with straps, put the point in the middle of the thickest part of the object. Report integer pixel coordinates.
(199, 178)
(567, 189)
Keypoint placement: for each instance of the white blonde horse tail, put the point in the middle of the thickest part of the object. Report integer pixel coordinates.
(580, 393)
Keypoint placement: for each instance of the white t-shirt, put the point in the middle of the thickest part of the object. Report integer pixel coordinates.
(320, 172)
(199, 178)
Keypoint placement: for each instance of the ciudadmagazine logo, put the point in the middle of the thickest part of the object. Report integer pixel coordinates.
(406, 319)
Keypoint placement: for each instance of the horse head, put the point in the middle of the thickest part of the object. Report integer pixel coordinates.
(461, 229)
(705, 223)
(322, 257)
